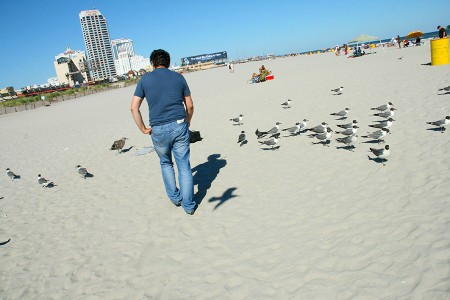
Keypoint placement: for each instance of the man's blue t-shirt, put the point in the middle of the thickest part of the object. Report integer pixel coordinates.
(164, 91)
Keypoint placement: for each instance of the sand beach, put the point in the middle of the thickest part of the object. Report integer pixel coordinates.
(304, 221)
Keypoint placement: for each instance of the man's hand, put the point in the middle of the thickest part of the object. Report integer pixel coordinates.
(147, 130)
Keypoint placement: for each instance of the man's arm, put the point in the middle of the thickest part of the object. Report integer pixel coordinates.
(136, 113)
(189, 108)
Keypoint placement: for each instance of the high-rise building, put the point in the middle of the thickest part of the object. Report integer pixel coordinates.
(125, 59)
(70, 67)
(100, 58)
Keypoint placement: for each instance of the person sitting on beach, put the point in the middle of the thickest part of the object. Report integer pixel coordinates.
(262, 69)
(417, 43)
(405, 43)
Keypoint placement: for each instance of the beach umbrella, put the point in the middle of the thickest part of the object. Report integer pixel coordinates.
(414, 34)
(364, 38)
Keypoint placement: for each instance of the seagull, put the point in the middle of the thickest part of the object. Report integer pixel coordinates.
(377, 135)
(242, 139)
(386, 114)
(342, 113)
(286, 104)
(294, 129)
(324, 138)
(348, 140)
(83, 172)
(441, 123)
(349, 131)
(382, 153)
(447, 88)
(383, 124)
(44, 182)
(383, 107)
(238, 119)
(322, 128)
(338, 90)
(272, 141)
(11, 174)
(303, 125)
(118, 145)
(275, 129)
(348, 125)
(400, 58)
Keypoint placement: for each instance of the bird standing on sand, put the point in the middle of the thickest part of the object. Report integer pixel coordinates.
(274, 130)
(118, 145)
(383, 124)
(322, 128)
(349, 131)
(242, 138)
(237, 120)
(441, 123)
(377, 135)
(385, 114)
(338, 90)
(44, 182)
(83, 172)
(382, 153)
(383, 107)
(293, 130)
(348, 125)
(348, 140)
(11, 174)
(323, 138)
(272, 141)
(286, 104)
(342, 114)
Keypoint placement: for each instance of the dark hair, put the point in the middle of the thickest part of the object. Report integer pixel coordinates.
(159, 58)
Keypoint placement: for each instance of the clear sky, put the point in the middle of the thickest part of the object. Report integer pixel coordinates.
(35, 31)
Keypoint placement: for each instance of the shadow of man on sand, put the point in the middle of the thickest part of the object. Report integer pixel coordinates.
(205, 174)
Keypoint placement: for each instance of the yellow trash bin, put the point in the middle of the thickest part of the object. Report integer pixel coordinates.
(439, 52)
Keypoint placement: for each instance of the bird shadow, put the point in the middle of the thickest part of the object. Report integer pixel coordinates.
(349, 148)
(244, 142)
(236, 124)
(227, 195)
(5, 242)
(341, 119)
(88, 175)
(377, 160)
(273, 149)
(286, 107)
(1, 198)
(446, 93)
(327, 143)
(373, 142)
(16, 177)
(338, 94)
(126, 150)
(427, 64)
(437, 129)
(205, 174)
(51, 185)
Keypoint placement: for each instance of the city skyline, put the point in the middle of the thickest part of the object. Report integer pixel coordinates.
(183, 28)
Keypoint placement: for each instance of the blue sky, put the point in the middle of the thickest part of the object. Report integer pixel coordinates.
(33, 32)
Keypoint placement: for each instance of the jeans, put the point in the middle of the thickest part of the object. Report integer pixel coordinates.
(168, 139)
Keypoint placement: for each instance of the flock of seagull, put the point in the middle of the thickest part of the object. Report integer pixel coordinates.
(117, 145)
(323, 133)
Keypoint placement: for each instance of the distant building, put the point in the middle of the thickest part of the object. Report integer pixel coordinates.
(71, 67)
(124, 57)
(100, 60)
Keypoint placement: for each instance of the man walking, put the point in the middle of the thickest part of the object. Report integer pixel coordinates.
(170, 113)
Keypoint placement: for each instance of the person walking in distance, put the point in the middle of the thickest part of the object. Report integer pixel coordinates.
(170, 114)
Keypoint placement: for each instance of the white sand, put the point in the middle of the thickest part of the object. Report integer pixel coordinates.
(303, 222)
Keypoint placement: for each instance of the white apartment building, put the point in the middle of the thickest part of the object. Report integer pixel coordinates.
(98, 44)
(125, 59)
